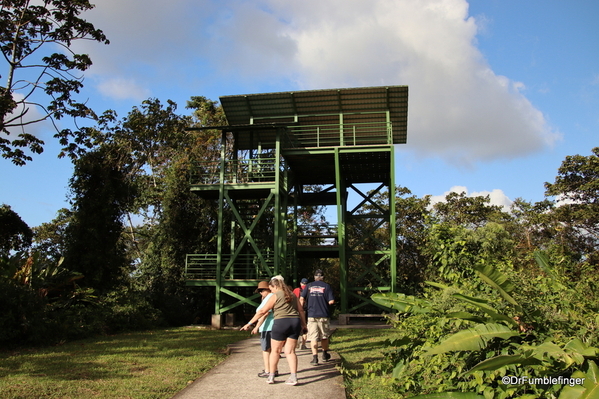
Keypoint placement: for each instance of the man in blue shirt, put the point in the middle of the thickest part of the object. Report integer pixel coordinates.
(316, 299)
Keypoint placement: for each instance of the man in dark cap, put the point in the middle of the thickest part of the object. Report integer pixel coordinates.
(316, 298)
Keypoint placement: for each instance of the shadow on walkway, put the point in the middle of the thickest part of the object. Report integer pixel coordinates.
(237, 376)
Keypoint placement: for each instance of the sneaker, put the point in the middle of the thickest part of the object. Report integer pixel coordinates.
(291, 381)
(263, 374)
(314, 361)
(271, 379)
(326, 356)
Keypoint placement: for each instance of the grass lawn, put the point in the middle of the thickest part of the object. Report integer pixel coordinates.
(159, 363)
(357, 348)
(150, 364)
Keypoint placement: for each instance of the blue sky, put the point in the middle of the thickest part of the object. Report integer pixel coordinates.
(501, 91)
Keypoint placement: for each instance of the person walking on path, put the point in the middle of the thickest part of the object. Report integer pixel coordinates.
(299, 289)
(301, 342)
(264, 327)
(289, 322)
(316, 298)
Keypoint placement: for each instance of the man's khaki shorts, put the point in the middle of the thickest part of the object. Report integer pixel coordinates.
(318, 328)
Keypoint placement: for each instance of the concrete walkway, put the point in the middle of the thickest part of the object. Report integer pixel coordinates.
(236, 376)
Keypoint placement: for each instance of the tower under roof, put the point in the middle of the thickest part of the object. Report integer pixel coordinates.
(275, 150)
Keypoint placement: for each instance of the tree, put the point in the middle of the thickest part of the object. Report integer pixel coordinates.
(578, 179)
(152, 135)
(15, 235)
(467, 211)
(93, 244)
(186, 225)
(28, 30)
(577, 190)
(153, 153)
(49, 238)
(411, 225)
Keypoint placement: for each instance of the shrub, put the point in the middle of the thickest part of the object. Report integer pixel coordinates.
(464, 338)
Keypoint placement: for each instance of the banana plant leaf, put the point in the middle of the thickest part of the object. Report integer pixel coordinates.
(438, 285)
(466, 316)
(482, 304)
(402, 303)
(497, 280)
(576, 346)
(572, 351)
(543, 262)
(550, 350)
(589, 388)
(472, 339)
(500, 361)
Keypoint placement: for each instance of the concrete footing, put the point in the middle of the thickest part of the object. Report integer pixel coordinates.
(221, 320)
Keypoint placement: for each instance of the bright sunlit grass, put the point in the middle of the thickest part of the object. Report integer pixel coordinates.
(151, 364)
(357, 348)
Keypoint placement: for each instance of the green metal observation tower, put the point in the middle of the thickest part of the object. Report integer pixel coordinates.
(275, 150)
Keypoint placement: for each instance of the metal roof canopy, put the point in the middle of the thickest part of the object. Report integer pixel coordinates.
(349, 106)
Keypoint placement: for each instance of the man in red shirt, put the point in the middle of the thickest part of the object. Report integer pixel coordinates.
(301, 342)
(299, 289)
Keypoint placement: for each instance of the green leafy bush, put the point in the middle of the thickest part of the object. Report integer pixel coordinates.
(128, 311)
(489, 323)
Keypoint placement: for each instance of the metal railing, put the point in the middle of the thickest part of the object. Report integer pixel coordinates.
(200, 266)
(333, 135)
(236, 171)
(245, 267)
(317, 235)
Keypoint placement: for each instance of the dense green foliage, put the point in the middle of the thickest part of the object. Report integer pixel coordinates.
(501, 295)
(114, 261)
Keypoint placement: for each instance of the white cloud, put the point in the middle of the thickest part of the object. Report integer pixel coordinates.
(496, 196)
(460, 109)
(151, 42)
(32, 113)
(123, 89)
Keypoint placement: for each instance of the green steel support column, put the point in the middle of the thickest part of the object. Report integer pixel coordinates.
(221, 202)
(295, 233)
(389, 130)
(283, 237)
(283, 219)
(392, 222)
(341, 211)
(277, 208)
(235, 168)
(341, 134)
